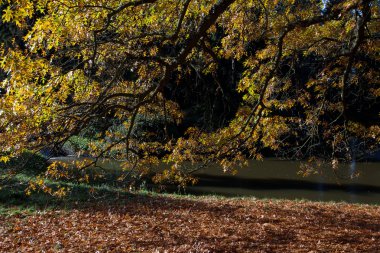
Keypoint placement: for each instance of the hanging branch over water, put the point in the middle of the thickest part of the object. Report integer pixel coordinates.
(300, 67)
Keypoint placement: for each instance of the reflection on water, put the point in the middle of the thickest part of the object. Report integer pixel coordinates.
(278, 179)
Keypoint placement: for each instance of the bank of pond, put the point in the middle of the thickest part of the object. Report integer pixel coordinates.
(273, 178)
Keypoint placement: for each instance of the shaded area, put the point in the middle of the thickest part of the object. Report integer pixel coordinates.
(13, 198)
(15, 180)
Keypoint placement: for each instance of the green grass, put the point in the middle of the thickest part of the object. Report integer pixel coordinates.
(17, 202)
(14, 200)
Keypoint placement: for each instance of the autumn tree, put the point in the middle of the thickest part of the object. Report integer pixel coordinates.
(289, 74)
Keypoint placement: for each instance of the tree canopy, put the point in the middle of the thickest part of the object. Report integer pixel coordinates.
(300, 77)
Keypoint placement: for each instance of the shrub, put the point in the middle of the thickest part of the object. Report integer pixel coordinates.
(29, 162)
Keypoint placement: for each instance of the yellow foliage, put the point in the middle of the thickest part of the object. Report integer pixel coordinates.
(76, 61)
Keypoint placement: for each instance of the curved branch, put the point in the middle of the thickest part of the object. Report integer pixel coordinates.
(174, 37)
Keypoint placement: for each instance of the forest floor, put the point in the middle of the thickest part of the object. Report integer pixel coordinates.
(169, 223)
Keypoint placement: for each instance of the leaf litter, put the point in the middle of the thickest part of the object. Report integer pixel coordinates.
(166, 223)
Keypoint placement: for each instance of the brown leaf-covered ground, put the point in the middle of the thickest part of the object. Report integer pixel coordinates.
(206, 224)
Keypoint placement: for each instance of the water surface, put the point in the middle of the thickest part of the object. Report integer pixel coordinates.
(279, 179)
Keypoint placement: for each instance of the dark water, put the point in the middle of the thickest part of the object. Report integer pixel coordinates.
(278, 179)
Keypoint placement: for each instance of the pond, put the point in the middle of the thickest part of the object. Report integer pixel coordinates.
(274, 178)
(279, 179)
